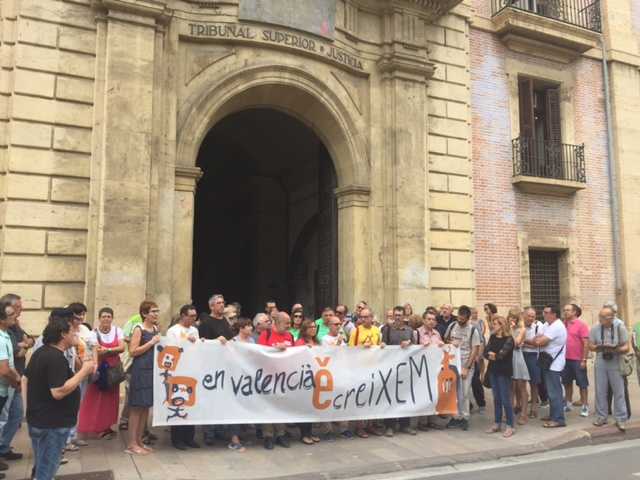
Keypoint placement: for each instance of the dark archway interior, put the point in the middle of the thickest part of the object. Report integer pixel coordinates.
(265, 214)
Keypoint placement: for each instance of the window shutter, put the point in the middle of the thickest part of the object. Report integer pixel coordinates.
(554, 133)
(525, 94)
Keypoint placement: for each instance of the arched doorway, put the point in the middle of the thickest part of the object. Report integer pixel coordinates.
(265, 224)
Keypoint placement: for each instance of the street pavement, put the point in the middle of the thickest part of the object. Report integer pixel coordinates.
(617, 461)
(341, 459)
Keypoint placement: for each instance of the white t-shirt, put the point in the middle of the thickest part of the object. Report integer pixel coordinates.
(111, 336)
(557, 333)
(331, 341)
(536, 328)
(179, 334)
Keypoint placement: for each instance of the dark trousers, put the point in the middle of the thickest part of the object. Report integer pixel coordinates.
(542, 392)
(404, 422)
(477, 388)
(305, 429)
(182, 434)
(626, 396)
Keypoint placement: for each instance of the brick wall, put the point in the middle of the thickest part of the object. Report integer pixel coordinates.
(501, 211)
(48, 55)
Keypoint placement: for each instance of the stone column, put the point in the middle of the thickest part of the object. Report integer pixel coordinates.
(404, 69)
(184, 205)
(122, 154)
(353, 244)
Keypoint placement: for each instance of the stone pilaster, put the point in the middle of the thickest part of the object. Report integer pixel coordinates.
(404, 70)
(122, 153)
(353, 239)
(184, 205)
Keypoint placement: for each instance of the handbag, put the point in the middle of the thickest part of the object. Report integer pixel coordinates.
(545, 360)
(114, 375)
(626, 364)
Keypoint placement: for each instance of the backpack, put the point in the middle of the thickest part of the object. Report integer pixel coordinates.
(474, 328)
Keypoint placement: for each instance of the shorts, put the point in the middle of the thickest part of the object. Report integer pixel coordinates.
(535, 374)
(572, 372)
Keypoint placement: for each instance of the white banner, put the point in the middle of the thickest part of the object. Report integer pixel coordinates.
(210, 383)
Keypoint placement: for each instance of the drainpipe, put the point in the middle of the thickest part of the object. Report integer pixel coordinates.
(611, 170)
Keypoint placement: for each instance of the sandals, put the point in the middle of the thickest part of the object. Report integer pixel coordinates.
(508, 432)
(315, 439)
(136, 451)
(307, 440)
(523, 420)
(494, 429)
(362, 433)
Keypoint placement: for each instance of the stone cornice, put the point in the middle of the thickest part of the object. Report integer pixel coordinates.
(395, 65)
(156, 9)
(431, 8)
(352, 196)
(187, 178)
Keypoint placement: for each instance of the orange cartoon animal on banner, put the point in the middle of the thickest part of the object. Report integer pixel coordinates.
(168, 357)
(447, 388)
(181, 393)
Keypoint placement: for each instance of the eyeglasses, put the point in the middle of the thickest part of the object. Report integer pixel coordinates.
(297, 316)
(335, 324)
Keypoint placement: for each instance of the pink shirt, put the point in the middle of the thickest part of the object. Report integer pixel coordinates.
(577, 330)
(429, 338)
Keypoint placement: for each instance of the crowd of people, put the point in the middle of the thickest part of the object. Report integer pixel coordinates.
(73, 372)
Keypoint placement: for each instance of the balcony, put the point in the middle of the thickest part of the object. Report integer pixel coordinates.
(547, 167)
(558, 30)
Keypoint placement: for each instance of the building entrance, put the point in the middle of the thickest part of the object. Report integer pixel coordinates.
(265, 214)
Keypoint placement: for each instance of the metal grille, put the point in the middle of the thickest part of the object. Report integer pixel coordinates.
(544, 274)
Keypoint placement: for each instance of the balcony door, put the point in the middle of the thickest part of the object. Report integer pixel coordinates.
(541, 151)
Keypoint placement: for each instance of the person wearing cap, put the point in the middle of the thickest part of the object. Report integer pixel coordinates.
(616, 322)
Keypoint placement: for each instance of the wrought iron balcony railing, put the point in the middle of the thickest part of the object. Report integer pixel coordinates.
(560, 161)
(582, 13)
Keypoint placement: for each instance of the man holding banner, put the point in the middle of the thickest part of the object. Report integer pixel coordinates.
(279, 337)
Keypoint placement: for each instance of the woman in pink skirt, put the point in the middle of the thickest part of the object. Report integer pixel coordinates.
(99, 408)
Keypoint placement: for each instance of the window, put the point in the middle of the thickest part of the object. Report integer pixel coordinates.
(544, 275)
(539, 111)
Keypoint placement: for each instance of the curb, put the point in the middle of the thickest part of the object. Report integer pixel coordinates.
(575, 438)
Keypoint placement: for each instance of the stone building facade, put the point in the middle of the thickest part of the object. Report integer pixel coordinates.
(378, 155)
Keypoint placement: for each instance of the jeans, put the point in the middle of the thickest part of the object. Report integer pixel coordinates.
(553, 382)
(13, 412)
(47, 444)
(501, 386)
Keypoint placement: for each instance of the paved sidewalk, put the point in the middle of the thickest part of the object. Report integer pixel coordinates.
(340, 459)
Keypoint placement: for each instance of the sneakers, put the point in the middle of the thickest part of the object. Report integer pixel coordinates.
(71, 447)
(238, 447)
(456, 423)
(347, 434)
(388, 432)
(179, 446)
(192, 444)
(622, 426)
(584, 411)
(567, 407)
(79, 443)
(600, 422)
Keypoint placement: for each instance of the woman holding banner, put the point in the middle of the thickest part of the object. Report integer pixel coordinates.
(143, 338)
(309, 338)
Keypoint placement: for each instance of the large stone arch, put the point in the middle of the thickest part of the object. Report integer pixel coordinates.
(292, 90)
(296, 92)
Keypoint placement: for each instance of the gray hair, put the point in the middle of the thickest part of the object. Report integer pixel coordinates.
(257, 318)
(10, 298)
(612, 305)
(215, 297)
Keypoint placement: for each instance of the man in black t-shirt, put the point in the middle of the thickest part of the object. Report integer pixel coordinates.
(53, 393)
(215, 326)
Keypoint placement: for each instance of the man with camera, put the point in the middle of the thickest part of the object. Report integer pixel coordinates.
(609, 340)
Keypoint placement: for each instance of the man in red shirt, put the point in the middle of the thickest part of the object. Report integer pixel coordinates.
(277, 336)
(576, 353)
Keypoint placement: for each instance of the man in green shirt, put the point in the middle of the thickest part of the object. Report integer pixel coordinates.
(323, 323)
